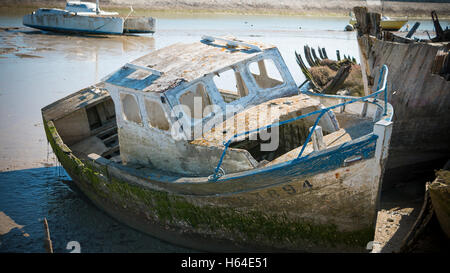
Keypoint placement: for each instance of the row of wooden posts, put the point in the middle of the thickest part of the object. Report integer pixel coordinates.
(313, 60)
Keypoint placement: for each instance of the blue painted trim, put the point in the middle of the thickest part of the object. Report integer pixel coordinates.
(320, 162)
(320, 113)
(120, 78)
(71, 30)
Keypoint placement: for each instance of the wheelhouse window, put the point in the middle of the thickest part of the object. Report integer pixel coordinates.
(196, 102)
(156, 115)
(130, 108)
(266, 73)
(230, 85)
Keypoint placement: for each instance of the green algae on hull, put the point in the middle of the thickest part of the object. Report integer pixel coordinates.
(193, 217)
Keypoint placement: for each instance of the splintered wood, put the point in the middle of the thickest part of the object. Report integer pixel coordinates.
(441, 64)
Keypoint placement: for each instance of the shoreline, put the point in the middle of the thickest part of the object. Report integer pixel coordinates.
(336, 8)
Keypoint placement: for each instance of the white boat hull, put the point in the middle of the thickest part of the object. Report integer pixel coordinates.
(71, 22)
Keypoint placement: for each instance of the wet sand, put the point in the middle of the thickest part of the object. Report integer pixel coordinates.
(402, 200)
(6, 224)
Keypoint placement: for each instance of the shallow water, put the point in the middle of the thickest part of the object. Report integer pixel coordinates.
(27, 196)
(37, 68)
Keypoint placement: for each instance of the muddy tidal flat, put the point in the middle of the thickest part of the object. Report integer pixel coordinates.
(38, 68)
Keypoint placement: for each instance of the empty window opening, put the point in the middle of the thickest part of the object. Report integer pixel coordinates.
(156, 115)
(130, 108)
(93, 118)
(230, 85)
(196, 102)
(266, 73)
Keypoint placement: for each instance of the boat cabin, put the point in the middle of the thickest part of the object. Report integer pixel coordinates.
(185, 108)
(78, 6)
(86, 8)
(170, 97)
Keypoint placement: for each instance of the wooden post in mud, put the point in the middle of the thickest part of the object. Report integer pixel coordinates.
(47, 242)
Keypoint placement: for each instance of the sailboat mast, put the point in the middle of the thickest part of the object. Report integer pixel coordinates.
(97, 9)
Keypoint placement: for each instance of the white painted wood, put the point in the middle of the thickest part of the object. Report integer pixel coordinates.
(317, 139)
(61, 20)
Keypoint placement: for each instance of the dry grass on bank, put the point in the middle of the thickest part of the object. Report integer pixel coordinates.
(261, 7)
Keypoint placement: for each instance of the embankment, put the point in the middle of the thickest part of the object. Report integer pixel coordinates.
(414, 8)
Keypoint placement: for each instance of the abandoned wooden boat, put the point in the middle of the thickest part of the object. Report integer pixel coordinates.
(328, 76)
(419, 73)
(86, 17)
(212, 146)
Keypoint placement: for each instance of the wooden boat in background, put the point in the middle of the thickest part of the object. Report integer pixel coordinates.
(419, 89)
(131, 144)
(86, 17)
(387, 23)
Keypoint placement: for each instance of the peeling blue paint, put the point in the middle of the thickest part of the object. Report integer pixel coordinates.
(321, 162)
(120, 78)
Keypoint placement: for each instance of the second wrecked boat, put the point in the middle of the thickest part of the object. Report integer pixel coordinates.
(420, 82)
(212, 146)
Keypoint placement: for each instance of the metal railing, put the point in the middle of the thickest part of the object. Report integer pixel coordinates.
(218, 171)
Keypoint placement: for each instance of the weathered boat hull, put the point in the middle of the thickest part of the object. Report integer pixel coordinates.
(321, 204)
(420, 98)
(72, 23)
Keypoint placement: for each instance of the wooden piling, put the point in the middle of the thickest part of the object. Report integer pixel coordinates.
(324, 53)
(305, 70)
(315, 58)
(320, 53)
(308, 56)
(333, 85)
(47, 242)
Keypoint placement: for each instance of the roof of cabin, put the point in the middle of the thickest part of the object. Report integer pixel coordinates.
(168, 67)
